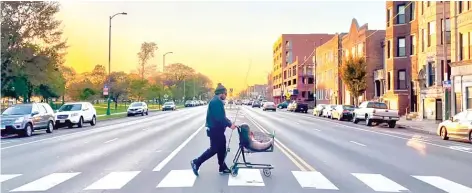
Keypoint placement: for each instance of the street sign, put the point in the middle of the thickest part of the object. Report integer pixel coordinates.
(105, 91)
(447, 84)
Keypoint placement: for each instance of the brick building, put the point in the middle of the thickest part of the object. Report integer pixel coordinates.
(292, 58)
(362, 42)
(433, 59)
(461, 50)
(328, 84)
(400, 56)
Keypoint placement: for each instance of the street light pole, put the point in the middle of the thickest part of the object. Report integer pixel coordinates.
(164, 60)
(109, 57)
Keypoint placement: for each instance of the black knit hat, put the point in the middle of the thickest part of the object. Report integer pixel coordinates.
(220, 89)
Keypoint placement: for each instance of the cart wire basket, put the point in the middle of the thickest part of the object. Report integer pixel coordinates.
(244, 148)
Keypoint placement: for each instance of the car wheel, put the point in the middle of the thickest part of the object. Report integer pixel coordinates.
(142, 114)
(392, 124)
(94, 121)
(368, 122)
(81, 122)
(147, 112)
(340, 118)
(28, 131)
(50, 127)
(354, 119)
(443, 133)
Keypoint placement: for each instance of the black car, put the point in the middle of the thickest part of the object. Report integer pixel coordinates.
(189, 104)
(301, 107)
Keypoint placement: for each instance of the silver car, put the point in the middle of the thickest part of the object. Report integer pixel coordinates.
(138, 108)
(24, 119)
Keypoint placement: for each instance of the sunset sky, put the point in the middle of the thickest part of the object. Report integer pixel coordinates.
(218, 39)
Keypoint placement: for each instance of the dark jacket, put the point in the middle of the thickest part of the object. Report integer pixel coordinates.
(216, 117)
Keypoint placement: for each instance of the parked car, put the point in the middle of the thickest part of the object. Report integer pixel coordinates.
(282, 105)
(375, 112)
(327, 110)
(341, 112)
(298, 106)
(24, 119)
(269, 106)
(169, 106)
(77, 113)
(138, 108)
(318, 110)
(459, 126)
(188, 104)
(256, 103)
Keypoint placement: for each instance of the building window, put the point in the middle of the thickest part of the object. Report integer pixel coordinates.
(412, 45)
(412, 11)
(448, 31)
(310, 80)
(469, 97)
(294, 70)
(470, 45)
(401, 14)
(388, 16)
(458, 102)
(389, 78)
(422, 7)
(295, 81)
(423, 34)
(460, 6)
(428, 3)
(431, 74)
(389, 54)
(401, 84)
(431, 31)
(401, 47)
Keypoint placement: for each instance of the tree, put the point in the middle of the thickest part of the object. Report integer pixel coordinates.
(69, 76)
(98, 76)
(147, 53)
(119, 83)
(32, 48)
(353, 73)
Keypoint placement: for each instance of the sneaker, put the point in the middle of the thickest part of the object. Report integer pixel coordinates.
(194, 167)
(225, 171)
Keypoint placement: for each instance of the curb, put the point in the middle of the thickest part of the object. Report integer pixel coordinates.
(417, 129)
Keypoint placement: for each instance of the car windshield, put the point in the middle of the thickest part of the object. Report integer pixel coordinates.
(269, 103)
(169, 103)
(136, 104)
(348, 107)
(70, 107)
(18, 110)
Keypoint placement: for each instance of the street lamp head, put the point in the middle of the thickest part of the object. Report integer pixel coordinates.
(124, 13)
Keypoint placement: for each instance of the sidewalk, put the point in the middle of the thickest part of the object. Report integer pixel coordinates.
(424, 126)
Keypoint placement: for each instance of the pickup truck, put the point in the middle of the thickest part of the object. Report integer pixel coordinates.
(375, 112)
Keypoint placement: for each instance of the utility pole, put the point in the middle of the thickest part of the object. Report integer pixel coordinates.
(447, 96)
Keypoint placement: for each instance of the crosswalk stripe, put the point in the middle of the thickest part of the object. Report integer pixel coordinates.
(114, 180)
(5, 177)
(310, 179)
(178, 178)
(379, 182)
(46, 182)
(247, 177)
(444, 184)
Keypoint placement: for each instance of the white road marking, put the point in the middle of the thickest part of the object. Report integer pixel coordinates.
(178, 178)
(46, 182)
(444, 184)
(316, 129)
(114, 180)
(157, 151)
(173, 153)
(309, 179)
(111, 140)
(247, 177)
(5, 177)
(379, 183)
(460, 148)
(357, 143)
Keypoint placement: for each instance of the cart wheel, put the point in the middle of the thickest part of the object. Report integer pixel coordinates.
(234, 172)
(266, 172)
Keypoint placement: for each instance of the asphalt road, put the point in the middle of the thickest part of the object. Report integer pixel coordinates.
(312, 154)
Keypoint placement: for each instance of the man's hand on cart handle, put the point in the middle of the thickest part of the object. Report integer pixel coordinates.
(233, 126)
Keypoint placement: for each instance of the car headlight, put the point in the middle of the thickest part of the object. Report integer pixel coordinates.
(74, 114)
(19, 120)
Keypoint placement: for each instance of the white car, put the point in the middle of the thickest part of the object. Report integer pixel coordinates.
(169, 106)
(77, 113)
(138, 108)
(375, 112)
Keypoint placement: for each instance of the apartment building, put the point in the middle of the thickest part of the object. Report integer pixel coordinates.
(328, 84)
(362, 42)
(433, 59)
(396, 79)
(292, 60)
(461, 52)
